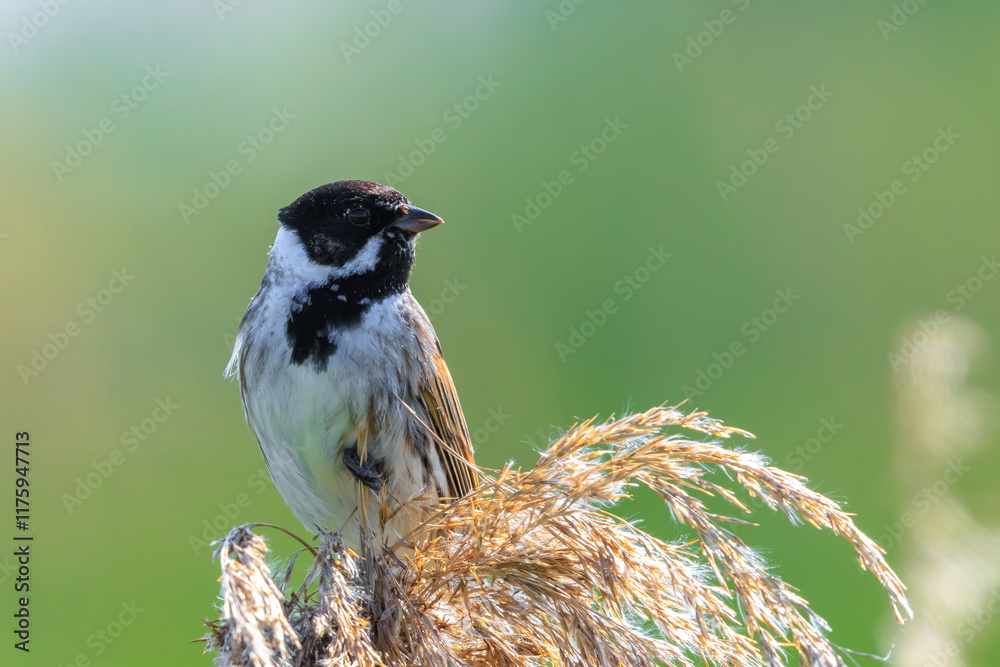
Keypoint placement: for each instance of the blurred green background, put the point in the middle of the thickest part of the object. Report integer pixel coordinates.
(695, 90)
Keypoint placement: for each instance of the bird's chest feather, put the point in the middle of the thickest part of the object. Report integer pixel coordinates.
(319, 369)
(318, 373)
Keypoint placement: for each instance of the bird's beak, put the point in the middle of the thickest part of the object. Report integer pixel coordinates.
(416, 220)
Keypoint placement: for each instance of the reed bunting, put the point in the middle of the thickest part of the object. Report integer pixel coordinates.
(341, 373)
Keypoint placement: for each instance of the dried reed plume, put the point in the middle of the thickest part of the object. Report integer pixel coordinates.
(533, 569)
(951, 561)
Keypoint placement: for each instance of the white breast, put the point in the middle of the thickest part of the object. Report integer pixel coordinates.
(304, 416)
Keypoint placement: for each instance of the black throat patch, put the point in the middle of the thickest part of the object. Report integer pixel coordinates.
(324, 311)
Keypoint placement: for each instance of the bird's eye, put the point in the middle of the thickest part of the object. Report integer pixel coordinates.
(358, 216)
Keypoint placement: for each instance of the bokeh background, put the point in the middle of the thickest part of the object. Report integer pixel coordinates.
(690, 88)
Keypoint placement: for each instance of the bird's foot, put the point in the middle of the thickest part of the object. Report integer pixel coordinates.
(362, 471)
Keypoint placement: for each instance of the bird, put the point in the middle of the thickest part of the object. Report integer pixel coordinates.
(341, 374)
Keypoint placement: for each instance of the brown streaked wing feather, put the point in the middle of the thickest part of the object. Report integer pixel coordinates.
(448, 423)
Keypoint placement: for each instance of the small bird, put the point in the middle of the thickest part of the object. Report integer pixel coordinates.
(341, 373)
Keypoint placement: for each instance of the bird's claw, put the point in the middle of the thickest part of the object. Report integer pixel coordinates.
(362, 471)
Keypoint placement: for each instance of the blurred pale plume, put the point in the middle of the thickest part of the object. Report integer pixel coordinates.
(950, 562)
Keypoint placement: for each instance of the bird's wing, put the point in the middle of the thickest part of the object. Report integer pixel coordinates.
(445, 419)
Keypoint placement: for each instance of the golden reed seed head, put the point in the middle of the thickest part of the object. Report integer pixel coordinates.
(532, 568)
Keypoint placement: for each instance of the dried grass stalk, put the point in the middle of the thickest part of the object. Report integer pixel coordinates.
(532, 568)
(253, 628)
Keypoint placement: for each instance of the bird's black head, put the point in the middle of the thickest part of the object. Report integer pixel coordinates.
(335, 222)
